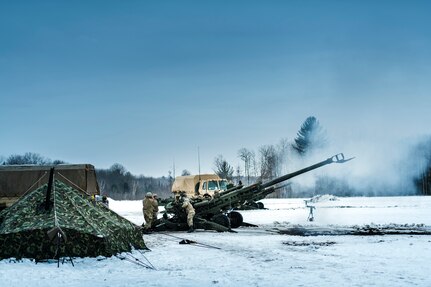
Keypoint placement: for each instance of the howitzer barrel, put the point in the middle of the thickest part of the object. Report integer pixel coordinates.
(338, 158)
(257, 191)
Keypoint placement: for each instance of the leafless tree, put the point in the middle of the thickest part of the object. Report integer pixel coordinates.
(118, 168)
(282, 156)
(102, 185)
(135, 188)
(246, 156)
(254, 166)
(27, 158)
(268, 162)
(185, 172)
(238, 173)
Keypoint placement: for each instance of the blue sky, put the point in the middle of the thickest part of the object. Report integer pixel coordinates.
(143, 83)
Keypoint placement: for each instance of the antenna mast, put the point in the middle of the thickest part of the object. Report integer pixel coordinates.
(174, 168)
(199, 164)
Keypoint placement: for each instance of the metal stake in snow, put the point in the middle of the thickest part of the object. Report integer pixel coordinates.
(311, 207)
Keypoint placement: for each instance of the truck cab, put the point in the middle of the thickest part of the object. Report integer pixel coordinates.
(203, 185)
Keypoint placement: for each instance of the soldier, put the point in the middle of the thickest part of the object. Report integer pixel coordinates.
(148, 210)
(155, 208)
(190, 212)
(105, 201)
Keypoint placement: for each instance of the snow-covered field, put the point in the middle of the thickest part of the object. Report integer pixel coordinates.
(259, 256)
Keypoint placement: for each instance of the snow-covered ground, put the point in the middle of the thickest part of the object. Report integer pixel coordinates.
(259, 256)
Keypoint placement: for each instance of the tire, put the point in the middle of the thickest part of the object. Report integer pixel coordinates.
(260, 205)
(235, 219)
(254, 204)
(221, 219)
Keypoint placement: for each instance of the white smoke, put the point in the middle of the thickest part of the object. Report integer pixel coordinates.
(377, 169)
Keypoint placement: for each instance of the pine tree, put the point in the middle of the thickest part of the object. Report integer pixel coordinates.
(310, 137)
(223, 168)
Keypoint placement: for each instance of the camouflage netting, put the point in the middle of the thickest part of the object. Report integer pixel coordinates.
(86, 228)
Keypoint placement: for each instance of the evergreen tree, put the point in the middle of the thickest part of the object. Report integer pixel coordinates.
(309, 137)
(223, 168)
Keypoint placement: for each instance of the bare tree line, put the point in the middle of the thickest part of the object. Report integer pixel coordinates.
(118, 183)
(115, 182)
(28, 158)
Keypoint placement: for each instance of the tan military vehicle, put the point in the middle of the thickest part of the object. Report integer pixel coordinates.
(199, 185)
(17, 180)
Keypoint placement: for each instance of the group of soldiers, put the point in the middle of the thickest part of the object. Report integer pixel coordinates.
(151, 209)
(102, 199)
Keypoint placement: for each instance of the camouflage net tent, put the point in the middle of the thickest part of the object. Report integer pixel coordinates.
(69, 224)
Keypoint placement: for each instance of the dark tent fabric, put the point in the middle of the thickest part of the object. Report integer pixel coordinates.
(16, 180)
(72, 226)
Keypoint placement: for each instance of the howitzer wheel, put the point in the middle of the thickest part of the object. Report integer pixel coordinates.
(253, 204)
(235, 219)
(221, 219)
(260, 205)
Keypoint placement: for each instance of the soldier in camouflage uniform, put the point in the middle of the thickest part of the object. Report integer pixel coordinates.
(190, 212)
(148, 210)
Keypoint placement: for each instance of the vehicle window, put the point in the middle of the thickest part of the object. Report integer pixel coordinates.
(204, 186)
(212, 185)
(223, 184)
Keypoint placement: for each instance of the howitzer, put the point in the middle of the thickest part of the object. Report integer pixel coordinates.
(217, 212)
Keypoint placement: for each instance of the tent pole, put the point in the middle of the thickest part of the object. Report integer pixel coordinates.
(49, 189)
